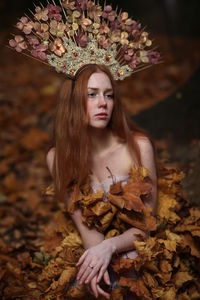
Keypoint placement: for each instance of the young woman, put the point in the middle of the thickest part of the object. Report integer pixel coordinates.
(92, 136)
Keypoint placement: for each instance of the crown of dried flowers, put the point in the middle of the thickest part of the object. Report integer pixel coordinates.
(76, 33)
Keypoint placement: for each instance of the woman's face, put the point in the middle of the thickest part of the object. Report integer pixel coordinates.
(100, 100)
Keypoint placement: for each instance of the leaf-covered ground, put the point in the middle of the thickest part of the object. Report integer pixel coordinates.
(28, 95)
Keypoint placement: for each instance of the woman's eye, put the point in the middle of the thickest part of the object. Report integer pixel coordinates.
(91, 94)
(110, 96)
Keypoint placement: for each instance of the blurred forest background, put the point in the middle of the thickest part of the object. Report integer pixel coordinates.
(164, 100)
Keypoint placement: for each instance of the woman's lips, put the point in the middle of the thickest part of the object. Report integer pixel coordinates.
(101, 116)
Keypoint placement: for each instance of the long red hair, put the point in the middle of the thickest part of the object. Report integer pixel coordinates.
(71, 140)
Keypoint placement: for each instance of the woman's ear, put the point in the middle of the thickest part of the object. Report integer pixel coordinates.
(50, 159)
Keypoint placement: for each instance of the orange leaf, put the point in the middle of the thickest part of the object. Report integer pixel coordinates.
(133, 202)
(116, 200)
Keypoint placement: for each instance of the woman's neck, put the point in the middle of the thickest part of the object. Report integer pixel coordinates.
(101, 140)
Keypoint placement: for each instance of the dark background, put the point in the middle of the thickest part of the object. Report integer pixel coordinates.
(171, 16)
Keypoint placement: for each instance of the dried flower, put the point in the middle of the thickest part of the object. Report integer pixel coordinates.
(109, 13)
(57, 47)
(94, 11)
(104, 42)
(81, 5)
(115, 25)
(54, 12)
(25, 25)
(33, 40)
(95, 28)
(18, 43)
(85, 22)
(42, 30)
(57, 28)
(124, 38)
(128, 53)
(104, 28)
(136, 27)
(153, 57)
(143, 56)
(115, 36)
(82, 39)
(39, 51)
(69, 4)
(41, 14)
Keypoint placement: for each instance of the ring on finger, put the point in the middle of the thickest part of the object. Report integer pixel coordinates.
(92, 267)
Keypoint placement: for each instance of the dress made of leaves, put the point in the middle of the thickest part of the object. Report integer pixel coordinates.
(168, 263)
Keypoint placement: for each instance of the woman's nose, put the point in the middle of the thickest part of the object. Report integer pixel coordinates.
(102, 101)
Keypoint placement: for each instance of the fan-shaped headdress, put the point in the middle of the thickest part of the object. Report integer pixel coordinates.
(72, 34)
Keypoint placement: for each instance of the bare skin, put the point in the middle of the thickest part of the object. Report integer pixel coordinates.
(106, 151)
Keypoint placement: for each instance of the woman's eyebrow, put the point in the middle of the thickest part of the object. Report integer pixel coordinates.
(96, 89)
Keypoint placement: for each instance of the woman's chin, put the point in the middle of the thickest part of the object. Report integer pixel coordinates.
(98, 126)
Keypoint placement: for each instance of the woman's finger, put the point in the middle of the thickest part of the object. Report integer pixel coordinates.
(93, 286)
(106, 277)
(101, 272)
(102, 292)
(93, 272)
(81, 259)
(84, 268)
(89, 271)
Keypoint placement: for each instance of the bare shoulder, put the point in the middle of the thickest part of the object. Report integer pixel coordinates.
(144, 143)
(147, 154)
(50, 159)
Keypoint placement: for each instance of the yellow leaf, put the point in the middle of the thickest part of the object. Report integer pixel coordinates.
(181, 277)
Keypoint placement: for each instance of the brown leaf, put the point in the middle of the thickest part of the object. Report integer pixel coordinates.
(188, 241)
(136, 286)
(100, 208)
(93, 198)
(116, 188)
(133, 202)
(181, 278)
(165, 266)
(170, 294)
(122, 264)
(117, 294)
(67, 276)
(116, 200)
(166, 206)
(150, 280)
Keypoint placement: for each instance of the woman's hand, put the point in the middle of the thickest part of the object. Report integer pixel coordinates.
(95, 260)
(95, 289)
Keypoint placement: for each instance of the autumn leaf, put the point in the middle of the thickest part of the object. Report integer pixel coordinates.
(166, 206)
(93, 198)
(136, 286)
(116, 188)
(181, 278)
(100, 208)
(116, 200)
(133, 202)
(122, 264)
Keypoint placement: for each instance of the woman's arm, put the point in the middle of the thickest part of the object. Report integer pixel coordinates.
(124, 242)
(90, 237)
(148, 161)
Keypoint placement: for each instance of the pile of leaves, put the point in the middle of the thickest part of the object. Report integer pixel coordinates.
(39, 251)
(124, 206)
(168, 262)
